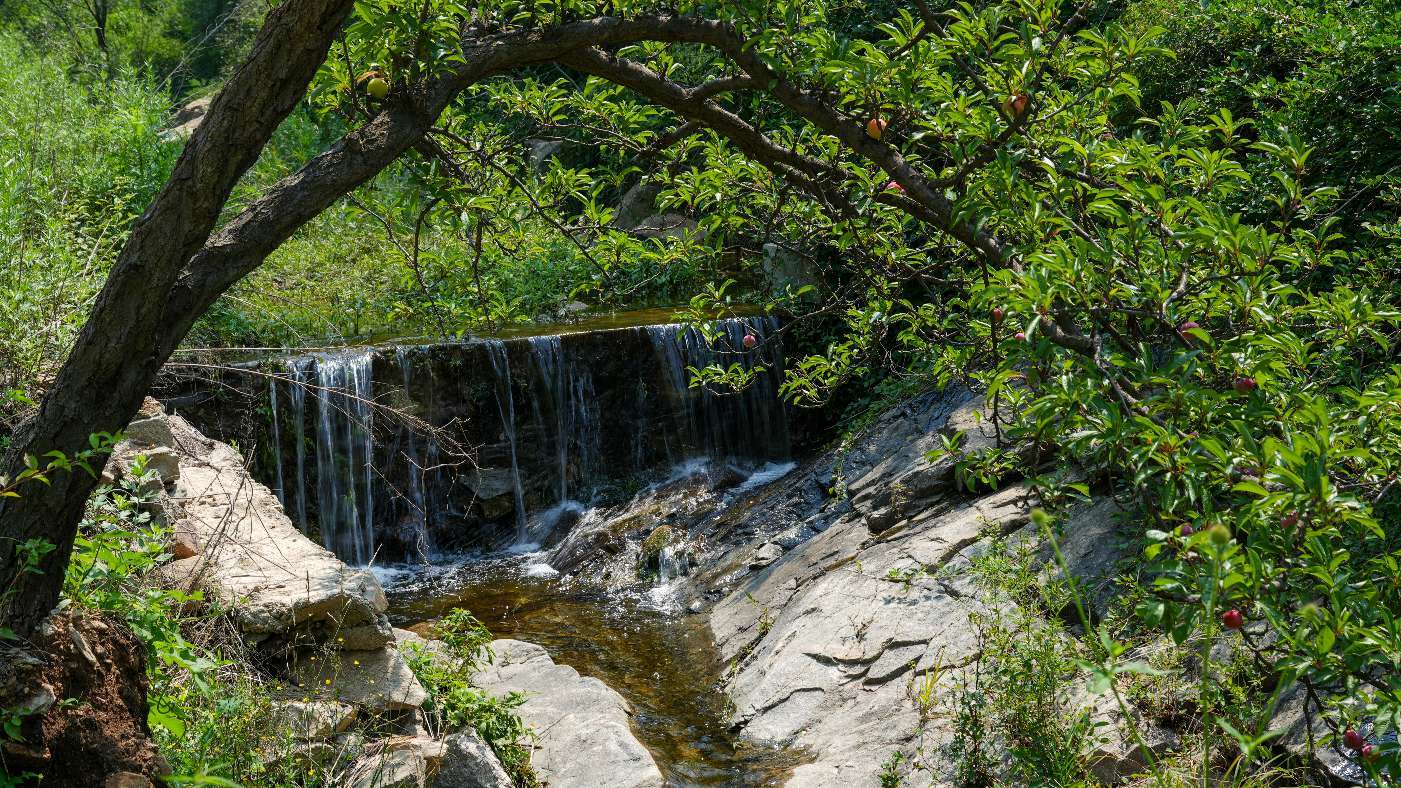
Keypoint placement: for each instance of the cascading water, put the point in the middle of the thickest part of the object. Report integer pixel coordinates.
(547, 354)
(345, 455)
(726, 425)
(297, 371)
(279, 487)
(506, 408)
(420, 537)
(561, 422)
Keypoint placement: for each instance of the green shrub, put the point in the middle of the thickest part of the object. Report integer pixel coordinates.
(456, 704)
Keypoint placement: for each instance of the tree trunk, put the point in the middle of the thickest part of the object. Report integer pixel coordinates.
(122, 346)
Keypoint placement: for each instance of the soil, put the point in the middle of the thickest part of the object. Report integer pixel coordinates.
(92, 670)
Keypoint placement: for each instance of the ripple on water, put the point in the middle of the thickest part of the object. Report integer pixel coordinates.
(665, 664)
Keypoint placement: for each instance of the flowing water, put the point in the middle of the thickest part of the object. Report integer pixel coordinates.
(665, 664)
(560, 418)
(576, 415)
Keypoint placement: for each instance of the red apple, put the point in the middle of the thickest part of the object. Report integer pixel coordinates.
(875, 127)
(1289, 520)
(1370, 753)
(750, 341)
(1353, 739)
(1186, 530)
(1244, 384)
(998, 314)
(1232, 619)
(893, 186)
(1020, 336)
(1016, 104)
(1184, 328)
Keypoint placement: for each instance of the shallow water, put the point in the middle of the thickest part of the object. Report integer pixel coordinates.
(664, 663)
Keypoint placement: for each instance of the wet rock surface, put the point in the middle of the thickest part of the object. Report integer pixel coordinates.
(830, 606)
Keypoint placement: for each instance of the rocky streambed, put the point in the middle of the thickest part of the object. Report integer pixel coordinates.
(661, 660)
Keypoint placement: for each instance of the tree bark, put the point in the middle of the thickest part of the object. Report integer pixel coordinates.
(116, 356)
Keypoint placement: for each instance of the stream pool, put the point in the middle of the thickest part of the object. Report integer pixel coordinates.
(663, 662)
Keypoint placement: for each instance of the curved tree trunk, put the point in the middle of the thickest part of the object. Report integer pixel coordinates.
(122, 345)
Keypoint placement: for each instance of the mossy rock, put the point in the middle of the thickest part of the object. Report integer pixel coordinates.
(650, 562)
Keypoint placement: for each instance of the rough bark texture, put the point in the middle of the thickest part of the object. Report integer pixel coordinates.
(118, 352)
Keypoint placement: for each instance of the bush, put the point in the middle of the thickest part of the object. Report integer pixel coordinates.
(455, 704)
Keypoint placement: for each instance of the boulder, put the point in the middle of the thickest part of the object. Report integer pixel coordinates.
(378, 680)
(1116, 754)
(584, 739)
(365, 637)
(187, 119)
(468, 762)
(253, 560)
(412, 641)
(495, 491)
(385, 767)
(313, 720)
(150, 431)
(636, 204)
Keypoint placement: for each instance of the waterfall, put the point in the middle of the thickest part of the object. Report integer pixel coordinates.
(601, 412)
(420, 537)
(671, 563)
(298, 372)
(279, 488)
(345, 454)
(506, 409)
(721, 424)
(547, 353)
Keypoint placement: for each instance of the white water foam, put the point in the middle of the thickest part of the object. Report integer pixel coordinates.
(389, 575)
(540, 570)
(768, 472)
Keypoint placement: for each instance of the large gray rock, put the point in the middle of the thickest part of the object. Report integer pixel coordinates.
(378, 680)
(468, 762)
(385, 767)
(874, 591)
(313, 720)
(253, 560)
(585, 740)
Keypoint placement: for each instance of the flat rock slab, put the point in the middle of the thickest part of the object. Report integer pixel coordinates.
(377, 680)
(585, 740)
(253, 559)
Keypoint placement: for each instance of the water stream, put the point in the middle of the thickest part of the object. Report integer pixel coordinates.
(663, 663)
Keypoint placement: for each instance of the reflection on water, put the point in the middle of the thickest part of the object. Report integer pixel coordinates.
(664, 664)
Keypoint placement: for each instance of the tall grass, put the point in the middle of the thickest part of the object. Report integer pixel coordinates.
(79, 164)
